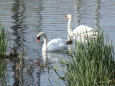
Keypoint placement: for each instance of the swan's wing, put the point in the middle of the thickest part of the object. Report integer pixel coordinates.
(56, 44)
(82, 29)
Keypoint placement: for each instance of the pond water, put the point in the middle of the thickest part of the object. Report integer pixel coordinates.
(25, 18)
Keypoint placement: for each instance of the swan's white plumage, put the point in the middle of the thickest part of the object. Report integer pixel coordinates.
(56, 44)
(53, 45)
(82, 29)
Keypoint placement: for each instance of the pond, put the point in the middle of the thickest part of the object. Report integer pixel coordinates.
(25, 18)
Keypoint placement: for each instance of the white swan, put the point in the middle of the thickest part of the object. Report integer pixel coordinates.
(80, 31)
(53, 45)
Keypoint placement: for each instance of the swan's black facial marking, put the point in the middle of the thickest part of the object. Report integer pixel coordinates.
(66, 17)
(69, 42)
(38, 39)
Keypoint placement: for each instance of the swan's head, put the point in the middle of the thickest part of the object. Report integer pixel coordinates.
(38, 39)
(68, 16)
(38, 36)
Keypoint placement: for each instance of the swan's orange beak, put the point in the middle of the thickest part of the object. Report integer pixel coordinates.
(38, 39)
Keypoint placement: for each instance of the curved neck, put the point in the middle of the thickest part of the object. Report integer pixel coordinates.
(45, 42)
(70, 32)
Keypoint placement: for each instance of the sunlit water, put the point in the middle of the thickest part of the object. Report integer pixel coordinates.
(25, 18)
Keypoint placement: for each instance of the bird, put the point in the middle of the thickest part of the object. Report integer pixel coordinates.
(80, 31)
(53, 45)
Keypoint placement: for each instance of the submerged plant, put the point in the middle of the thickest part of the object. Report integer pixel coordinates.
(92, 63)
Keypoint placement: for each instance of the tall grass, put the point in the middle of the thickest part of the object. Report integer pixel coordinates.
(3, 46)
(2, 69)
(3, 41)
(92, 63)
(2, 72)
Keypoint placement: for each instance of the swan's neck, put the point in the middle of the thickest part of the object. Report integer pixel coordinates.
(70, 32)
(44, 57)
(44, 47)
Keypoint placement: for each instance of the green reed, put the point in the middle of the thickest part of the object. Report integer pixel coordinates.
(3, 41)
(3, 46)
(2, 68)
(92, 63)
(2, 72)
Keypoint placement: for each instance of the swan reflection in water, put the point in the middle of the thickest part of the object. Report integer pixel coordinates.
(46, 63)
(49, 58)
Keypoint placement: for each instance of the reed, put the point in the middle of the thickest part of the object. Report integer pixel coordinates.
(3, 41)
(2, 69)
(3, 46)
(2, 72)
(91, 63)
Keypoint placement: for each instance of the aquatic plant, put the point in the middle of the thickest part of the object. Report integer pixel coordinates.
(3, 46)
(2, 70)
(3, 41)
(11, 56)
(91, 63)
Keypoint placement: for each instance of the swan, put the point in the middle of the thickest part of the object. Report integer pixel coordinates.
(54, 45)
(80, 31)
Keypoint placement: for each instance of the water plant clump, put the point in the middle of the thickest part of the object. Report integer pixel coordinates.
(11, 56)
(3, 41)
(2, 71)
(92, 63)
(3, 47)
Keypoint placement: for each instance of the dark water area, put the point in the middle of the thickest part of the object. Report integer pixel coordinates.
(25, 18)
